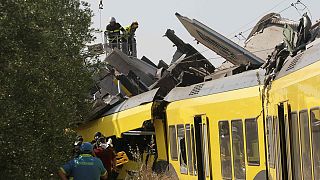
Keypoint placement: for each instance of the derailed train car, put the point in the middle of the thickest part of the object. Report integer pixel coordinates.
(230, 128)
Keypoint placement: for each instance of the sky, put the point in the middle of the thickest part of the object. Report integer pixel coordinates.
(228, 17)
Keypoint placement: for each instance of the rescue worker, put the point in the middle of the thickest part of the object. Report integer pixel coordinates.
(113, 33)
(111, 162)
(96, 136)
(85, 167)
(101, 153)
(76, 146)
(130, 40)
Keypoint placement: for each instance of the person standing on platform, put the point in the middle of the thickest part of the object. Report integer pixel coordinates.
(113, 33)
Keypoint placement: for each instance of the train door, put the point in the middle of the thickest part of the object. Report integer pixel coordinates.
(202, 141)
(279, 142)
(283, 160)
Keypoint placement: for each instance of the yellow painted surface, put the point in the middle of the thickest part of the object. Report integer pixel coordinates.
(117, 123)
(237, 104)
(301, 90)
(160, 139)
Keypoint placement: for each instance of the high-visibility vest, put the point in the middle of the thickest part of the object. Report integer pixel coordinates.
(128, 32)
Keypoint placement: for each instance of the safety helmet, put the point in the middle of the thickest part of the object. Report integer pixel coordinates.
(97, 135)
(101, 140)
(109, 143)
(79, 138)
(86, 147)
(112, 19)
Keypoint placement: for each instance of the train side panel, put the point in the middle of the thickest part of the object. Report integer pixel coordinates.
(233, 111)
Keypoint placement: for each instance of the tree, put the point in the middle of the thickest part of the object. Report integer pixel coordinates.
(44, 83)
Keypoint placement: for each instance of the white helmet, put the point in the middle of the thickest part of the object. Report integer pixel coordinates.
(112, 19)
(109, 143)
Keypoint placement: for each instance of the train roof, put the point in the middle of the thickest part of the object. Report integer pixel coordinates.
(134, 101)
(238, 81)
(303, 59)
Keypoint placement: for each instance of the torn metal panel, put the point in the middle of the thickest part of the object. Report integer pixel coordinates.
(186, 79)
(266, 34)
(221, 73)
(107, 84)
(166, 83)
(145, 59)
(218, 43)
(183, 48)
(188, 51)
(230, 71)
(162, 64)
(302, 59)
(101, 106)
(188, 67)
(134, 101)
(124, 64)
(130, 86)
(273, 19)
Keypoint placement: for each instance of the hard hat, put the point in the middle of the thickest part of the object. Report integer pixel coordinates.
(112, 19)
(109, 143)
(97, 135)
(77, 143)
(86, 147)
(101, 140)
(80, 138)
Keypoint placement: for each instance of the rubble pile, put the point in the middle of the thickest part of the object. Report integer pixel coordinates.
(268, 45)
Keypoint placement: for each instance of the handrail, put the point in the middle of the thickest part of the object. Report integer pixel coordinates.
(122, 42)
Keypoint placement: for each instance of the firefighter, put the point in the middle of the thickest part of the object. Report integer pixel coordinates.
(113, 33)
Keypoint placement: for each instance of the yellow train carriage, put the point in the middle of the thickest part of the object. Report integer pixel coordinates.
(215, 129)
(123, 118)
(117, 123)
(292, 118)
(233, 127)
(126, 125)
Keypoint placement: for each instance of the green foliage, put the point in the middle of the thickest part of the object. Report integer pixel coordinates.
(44, 83)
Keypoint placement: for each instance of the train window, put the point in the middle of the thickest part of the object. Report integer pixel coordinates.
(182, 149)
(315, 129)
(205, 149)
(188, 138)
(305, 144)
(270, 137)
(238, 150)
(225, 150)
(173, 143)
(295, 145)
(252, 142)
(194, 151)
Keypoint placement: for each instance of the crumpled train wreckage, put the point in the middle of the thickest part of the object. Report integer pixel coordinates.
(272, 40)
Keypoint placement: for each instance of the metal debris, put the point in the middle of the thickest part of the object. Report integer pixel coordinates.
(129, 77)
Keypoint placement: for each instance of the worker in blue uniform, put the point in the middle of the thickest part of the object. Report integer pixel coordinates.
(84, 167)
